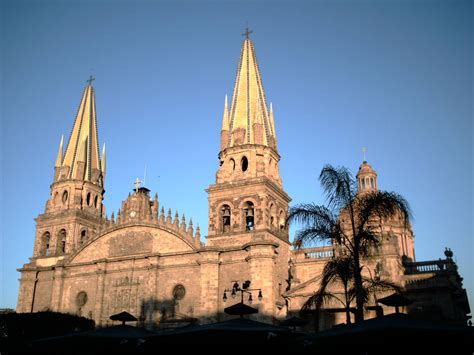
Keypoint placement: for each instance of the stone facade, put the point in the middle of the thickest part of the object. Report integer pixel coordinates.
(155, 265)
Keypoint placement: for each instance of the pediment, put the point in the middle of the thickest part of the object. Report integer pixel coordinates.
(132, 241)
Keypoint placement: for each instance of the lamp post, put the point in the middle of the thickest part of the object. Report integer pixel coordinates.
(241, 308)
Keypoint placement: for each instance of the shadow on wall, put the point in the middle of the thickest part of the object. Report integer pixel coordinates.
(172, 314)
(164, 314)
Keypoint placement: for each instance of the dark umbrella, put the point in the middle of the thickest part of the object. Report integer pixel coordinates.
(239, 309)
(395, 300)
(123, 317)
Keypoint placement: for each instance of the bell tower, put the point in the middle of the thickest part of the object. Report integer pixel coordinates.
(74, 209)
(248, 197)
(247, 204)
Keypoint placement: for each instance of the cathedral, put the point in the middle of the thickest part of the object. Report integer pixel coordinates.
(159, 268)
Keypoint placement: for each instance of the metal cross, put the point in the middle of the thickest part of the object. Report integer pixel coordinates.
(137, 184)
(247, 32)
(91, 79)
(364, 150)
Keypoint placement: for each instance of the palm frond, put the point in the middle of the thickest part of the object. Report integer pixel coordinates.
(339, 186)
(380, 285)
(319, 223)
(367, 242)
(381, 204)
(318, 299)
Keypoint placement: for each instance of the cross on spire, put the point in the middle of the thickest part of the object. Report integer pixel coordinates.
(137, 184)
(247, 32)
(364, 150)
(90, 80)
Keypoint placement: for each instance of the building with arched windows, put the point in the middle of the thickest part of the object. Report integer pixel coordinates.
(157, 267)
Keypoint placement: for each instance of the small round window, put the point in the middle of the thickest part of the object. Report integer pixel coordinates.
(245, 164)
(64, 196)
(179, 292)
(81, 299)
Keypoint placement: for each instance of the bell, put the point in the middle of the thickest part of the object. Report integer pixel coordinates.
(250, 213)
(226, 213)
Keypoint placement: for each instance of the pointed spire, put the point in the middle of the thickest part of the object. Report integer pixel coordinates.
(176, 220)
(102, 160)
(190, 228)
(59, 158)
(84, 130)
(82, 152)
(112, 217)
(168, 218)
(182, 227)
(225, 116)
(162, 216)
(272, 121)
(198, 236)
(248, 101)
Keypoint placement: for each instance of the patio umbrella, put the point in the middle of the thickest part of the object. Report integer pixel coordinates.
(123, 317)
(240, 309)
(395, 300)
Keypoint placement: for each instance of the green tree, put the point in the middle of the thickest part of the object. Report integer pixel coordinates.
(356, 235)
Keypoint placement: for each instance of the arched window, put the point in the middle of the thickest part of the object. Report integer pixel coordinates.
(363, 184)
(64, 198)
(83, 236)
(45, 241)
(232, 164)
(225, 218)
(282, 220)
(96, 198)
(56, 198)
(245, 163)
(62, 241)
(88, 199)
(372, 183)
(249, 214)
(272, 215)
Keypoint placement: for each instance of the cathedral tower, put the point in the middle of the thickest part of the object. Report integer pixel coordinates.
(247, 204)
(75, 208)
(73, 213)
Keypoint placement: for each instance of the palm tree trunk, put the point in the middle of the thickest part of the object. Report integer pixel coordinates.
(348, 305)
(359, 315)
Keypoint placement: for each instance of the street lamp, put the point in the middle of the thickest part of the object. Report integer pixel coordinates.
(244, 289)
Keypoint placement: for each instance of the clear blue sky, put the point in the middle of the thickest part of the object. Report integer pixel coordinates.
(394, 76)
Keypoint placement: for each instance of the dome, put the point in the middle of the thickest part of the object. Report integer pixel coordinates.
(365, 169)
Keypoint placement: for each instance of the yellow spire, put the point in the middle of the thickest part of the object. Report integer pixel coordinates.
(59, 158)
(248, 101)
(84, 131)
(272, 121)
(225, 116)
(102, 160)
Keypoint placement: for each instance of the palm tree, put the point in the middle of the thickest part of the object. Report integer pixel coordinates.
(340, 270)
(337, 270)
(355, 233)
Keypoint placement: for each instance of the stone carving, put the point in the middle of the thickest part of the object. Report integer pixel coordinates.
(130, 243)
